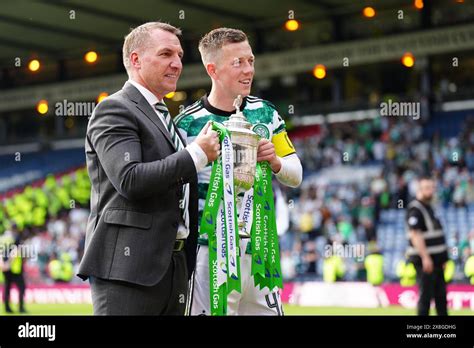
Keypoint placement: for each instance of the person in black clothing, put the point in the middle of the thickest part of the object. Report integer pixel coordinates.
(12, 267)
(427, 249)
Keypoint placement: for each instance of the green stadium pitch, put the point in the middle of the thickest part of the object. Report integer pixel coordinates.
(392, 310)
(85, 309)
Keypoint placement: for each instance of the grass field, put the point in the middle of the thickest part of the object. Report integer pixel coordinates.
(392, 310)
(81, 309)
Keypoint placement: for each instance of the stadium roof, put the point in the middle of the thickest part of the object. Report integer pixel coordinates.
(48, 28)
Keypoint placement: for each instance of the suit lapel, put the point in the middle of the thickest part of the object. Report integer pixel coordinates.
(146, 109)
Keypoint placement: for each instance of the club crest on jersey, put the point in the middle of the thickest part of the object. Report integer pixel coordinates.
(262, 130)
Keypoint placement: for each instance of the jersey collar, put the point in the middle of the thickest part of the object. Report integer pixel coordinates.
(216, 111)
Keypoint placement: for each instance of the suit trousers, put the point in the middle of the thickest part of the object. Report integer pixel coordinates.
(167, 297)
(431, 285)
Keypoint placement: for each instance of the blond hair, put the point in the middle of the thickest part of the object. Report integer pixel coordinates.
(138, 38)
(212, 42)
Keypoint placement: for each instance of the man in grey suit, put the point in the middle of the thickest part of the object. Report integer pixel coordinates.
(142, 231)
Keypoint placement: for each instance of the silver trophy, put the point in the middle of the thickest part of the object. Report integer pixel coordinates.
(245, 143)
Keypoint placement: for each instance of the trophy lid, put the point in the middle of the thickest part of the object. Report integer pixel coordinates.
(238, 120)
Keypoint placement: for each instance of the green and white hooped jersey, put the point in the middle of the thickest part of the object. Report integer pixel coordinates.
(261, 113)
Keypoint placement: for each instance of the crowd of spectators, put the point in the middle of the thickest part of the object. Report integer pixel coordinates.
(346, 212)
(349, 212)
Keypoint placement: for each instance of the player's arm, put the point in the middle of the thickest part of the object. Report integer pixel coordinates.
(281, 154)
(416, 236)
(291, 172)
(282, 158)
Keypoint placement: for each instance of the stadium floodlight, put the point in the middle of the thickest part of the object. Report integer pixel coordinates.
(170, 95)
(292, 25)
(408, 60)
(179, 96)
(34, 65)
(419, 4)
(42, 107)
(91, 57)
(102, 96)
(368, 12)
(319, 71)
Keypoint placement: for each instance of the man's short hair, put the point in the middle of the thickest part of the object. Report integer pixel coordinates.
(138, 37)
(213, 41)
(424, 177)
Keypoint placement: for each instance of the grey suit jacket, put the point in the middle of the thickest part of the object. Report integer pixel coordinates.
(137, 178)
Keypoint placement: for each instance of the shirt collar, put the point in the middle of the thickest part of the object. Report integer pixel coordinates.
(220, 112)
(147, 94)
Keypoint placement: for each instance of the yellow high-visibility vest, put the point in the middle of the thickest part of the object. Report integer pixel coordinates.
(449, 270)
(469, 268)
(54, 268)
(407, 273)
(16, 264)
(374, 265)
(333, 268)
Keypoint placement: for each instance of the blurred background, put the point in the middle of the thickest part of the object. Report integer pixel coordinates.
(327, 65)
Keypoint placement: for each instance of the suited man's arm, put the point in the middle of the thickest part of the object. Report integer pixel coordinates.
(114, 134)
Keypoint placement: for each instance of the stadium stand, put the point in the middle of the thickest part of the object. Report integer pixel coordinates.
(358, 212)
(358, 165)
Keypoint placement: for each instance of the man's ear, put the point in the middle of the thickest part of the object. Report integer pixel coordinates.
(134, 61)
(211, 70)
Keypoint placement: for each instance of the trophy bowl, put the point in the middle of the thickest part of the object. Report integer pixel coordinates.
(245, 144)
(245, 158)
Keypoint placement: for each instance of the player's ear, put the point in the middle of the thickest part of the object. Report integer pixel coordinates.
(134, 61)
(211, 70)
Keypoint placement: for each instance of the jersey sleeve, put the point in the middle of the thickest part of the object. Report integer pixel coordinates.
(415, 220)
(280, 139)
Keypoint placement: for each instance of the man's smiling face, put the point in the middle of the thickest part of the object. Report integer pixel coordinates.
(235, 69)
(160, 62)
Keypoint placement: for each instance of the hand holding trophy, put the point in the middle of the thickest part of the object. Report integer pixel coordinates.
(234, 174)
